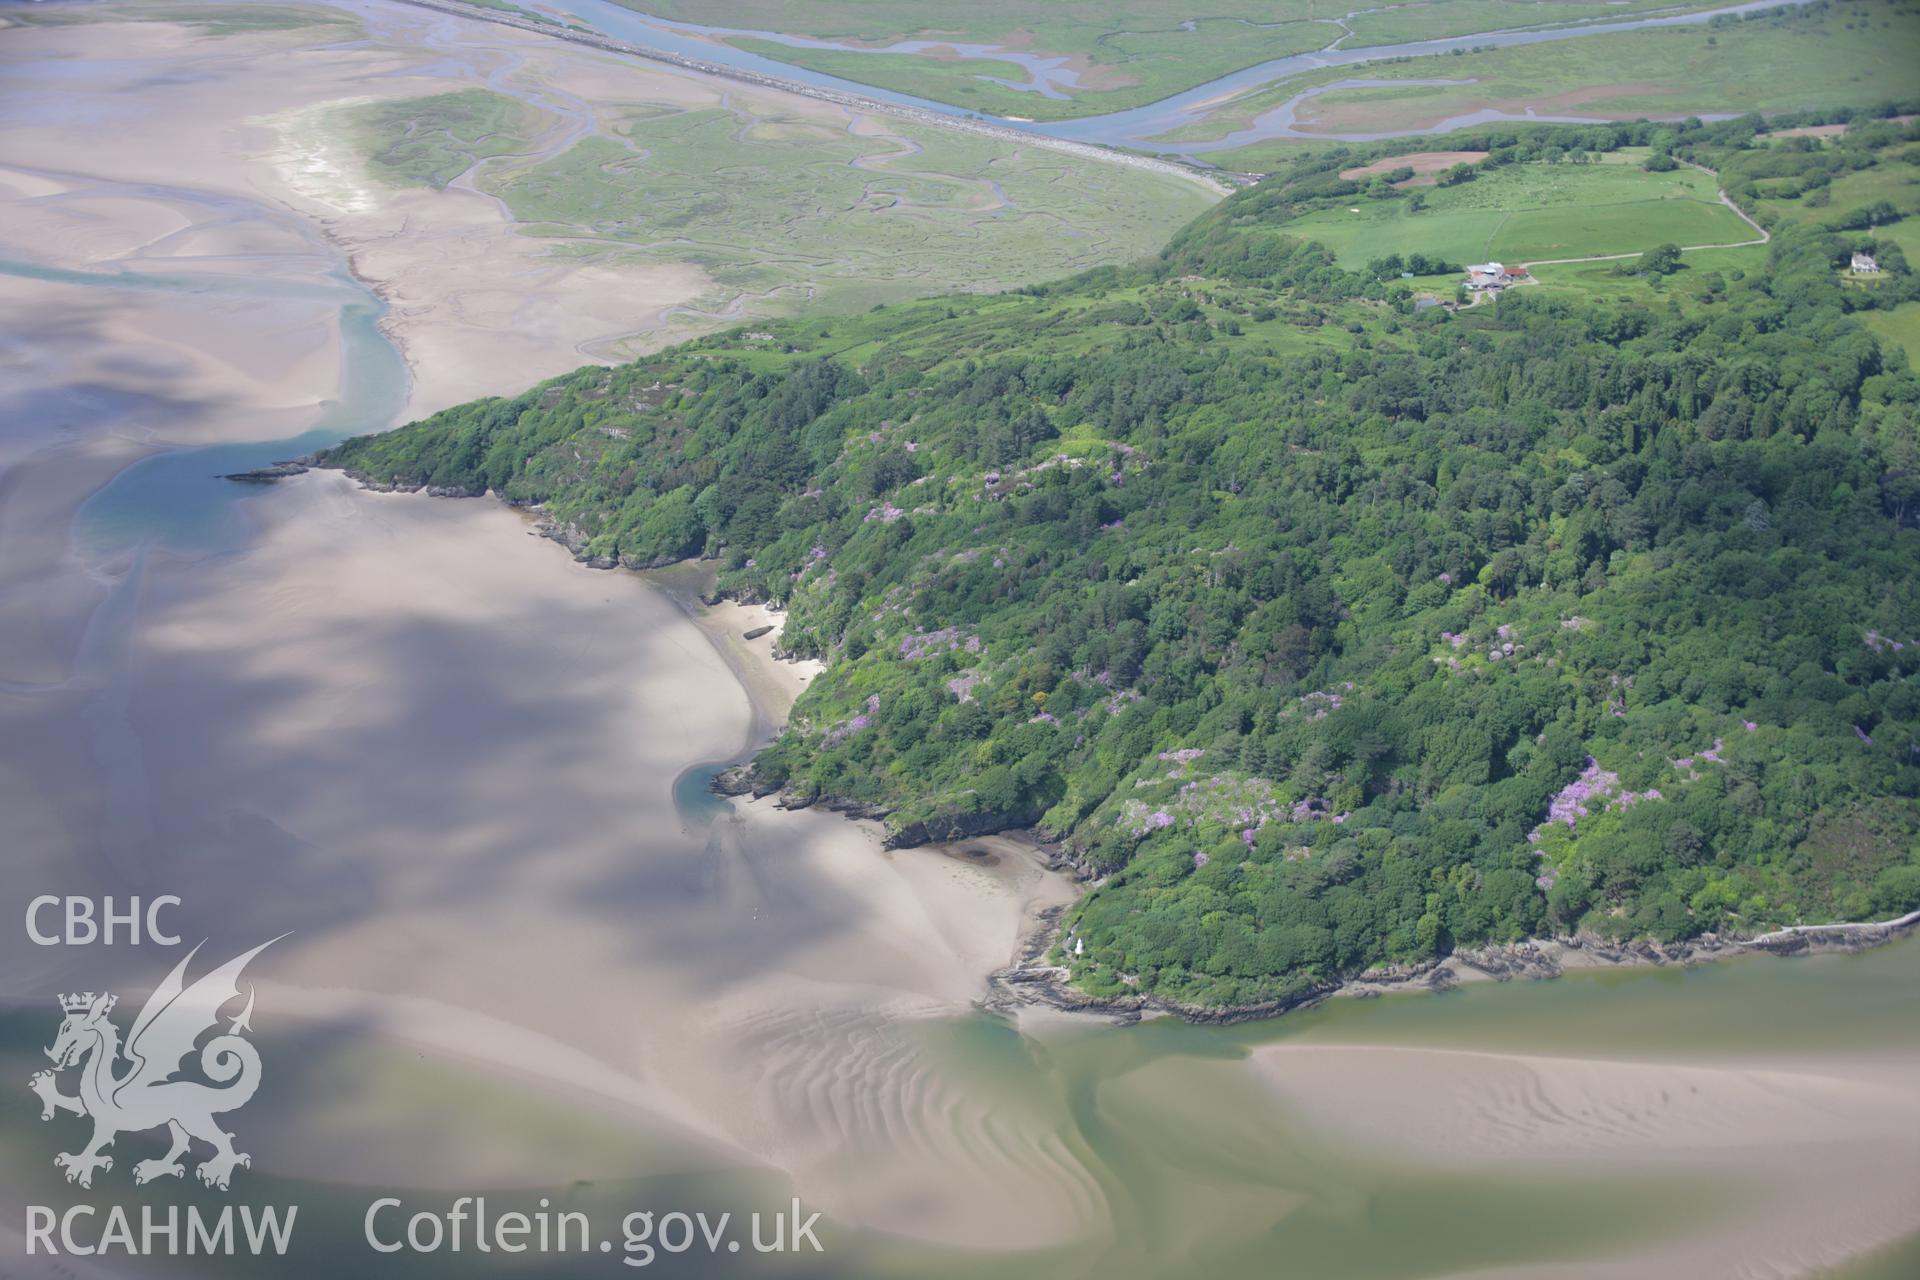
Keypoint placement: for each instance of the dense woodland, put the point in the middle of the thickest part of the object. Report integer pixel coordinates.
(1324, 633)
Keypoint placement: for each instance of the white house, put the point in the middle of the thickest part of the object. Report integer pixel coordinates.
(1863, 264)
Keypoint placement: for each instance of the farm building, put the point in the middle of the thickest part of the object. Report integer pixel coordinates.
(1864, 264)
(1488, 275)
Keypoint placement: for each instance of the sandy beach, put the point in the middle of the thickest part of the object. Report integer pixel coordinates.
(409, 731)
(405, 729)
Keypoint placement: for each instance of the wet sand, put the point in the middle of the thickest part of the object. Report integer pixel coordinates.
(1833, 1140)
(479, 308)
(408, 731)
(441, 753)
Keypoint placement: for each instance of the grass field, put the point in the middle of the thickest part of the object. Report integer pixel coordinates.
(779, 210)
(1900, 326)
(1857, 53)
(1601, 282)
(1898, 184)
(1905, 233)
(1519, 213)
(1127, 52)
(431, 141)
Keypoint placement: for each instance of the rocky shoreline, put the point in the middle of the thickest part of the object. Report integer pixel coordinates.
(1031, 982)
(574, 539)
(740, 781)
(271, 472)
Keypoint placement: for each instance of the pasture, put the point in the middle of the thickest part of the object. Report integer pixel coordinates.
(1899, 327)
(1521, 213)
(1897, 184)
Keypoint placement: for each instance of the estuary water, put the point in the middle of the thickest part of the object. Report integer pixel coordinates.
(1234, 1152)
(1752, 1115)
(531, 958)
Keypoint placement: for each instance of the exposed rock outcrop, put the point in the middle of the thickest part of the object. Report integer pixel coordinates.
(945, 828)
(270, 473)
(740, 781)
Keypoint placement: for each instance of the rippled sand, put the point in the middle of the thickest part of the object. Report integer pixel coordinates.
(419, 738)
(443, 756)
(1831, 1140)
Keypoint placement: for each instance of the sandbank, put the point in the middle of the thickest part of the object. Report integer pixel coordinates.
(1831, 1142)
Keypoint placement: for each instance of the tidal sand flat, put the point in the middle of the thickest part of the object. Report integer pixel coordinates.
(1829, 1148)
(525, 951)
(204, 724)
(525, 205)
(442, 755)
(251, 114)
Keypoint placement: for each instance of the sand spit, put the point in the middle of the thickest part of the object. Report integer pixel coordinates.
(478, 307)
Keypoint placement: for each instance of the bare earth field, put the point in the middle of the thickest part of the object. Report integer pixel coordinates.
(1421, 162)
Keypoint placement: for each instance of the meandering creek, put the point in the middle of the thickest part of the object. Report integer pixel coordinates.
(1141, 127)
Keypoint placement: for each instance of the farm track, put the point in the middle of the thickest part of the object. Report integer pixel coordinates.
(1764, 237)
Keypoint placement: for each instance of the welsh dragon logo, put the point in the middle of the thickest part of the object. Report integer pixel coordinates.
(125, 1089)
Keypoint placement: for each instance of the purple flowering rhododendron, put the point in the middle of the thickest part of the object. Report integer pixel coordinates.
(1594, 791)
